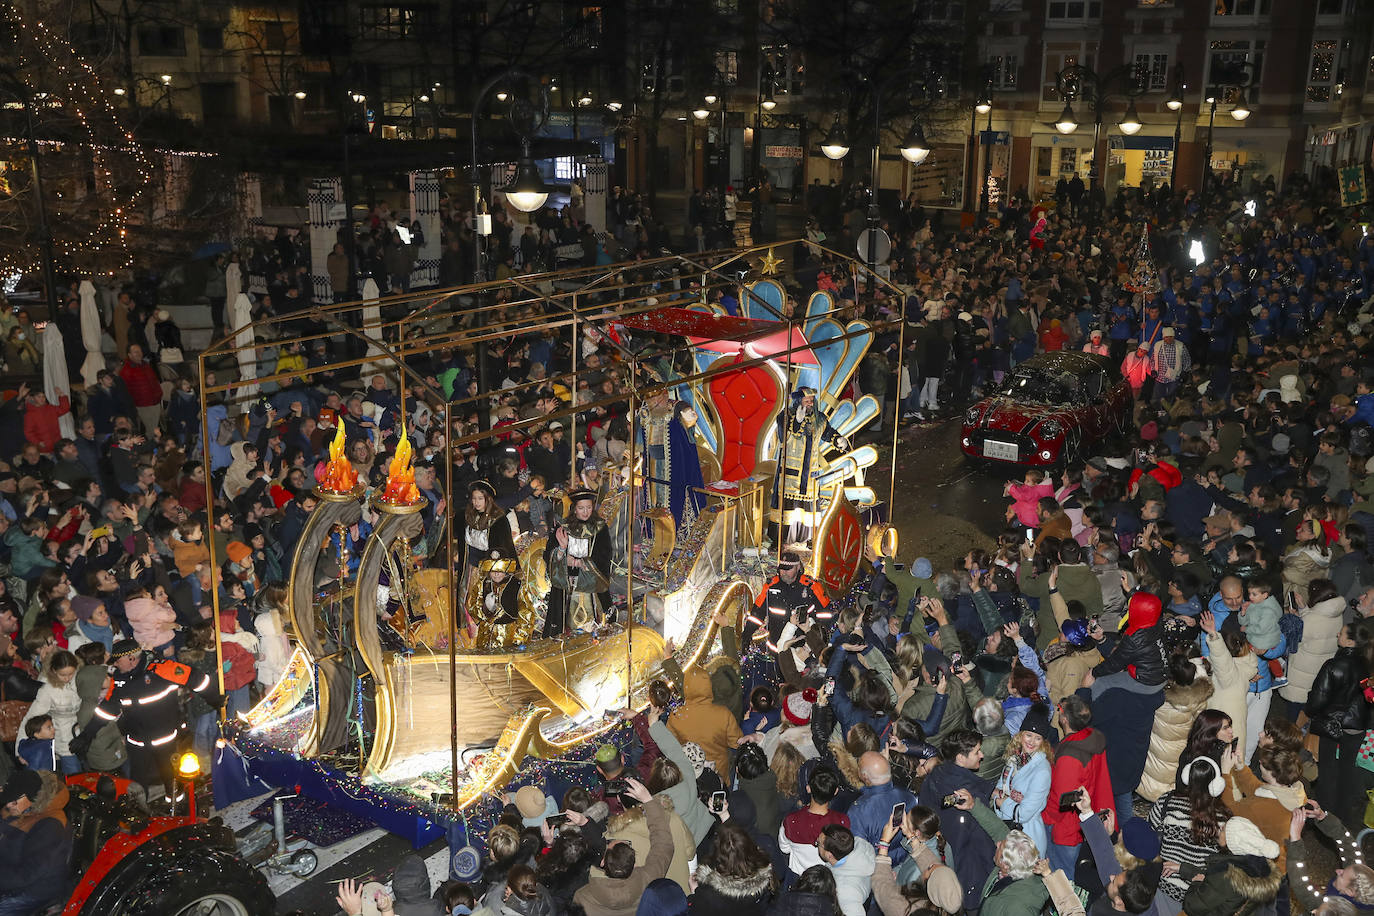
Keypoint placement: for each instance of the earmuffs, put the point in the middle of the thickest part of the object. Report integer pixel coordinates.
(1215, 785)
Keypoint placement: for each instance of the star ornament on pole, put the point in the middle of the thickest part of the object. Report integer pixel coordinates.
(770, 265)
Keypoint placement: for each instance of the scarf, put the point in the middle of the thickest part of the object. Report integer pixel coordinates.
(103, 635)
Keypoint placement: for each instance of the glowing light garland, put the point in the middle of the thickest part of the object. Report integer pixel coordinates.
(85, 99)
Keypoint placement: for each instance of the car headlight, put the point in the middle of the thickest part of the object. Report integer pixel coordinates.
(973, 415)
(1051, 429)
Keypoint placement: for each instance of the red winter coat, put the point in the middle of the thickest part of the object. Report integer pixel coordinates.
(243, 668)
(142, 382)
(40, 424)
(1080, 760)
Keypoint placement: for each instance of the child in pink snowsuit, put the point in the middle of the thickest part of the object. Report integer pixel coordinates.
(1026, 498)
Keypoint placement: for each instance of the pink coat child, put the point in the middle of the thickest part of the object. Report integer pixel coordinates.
(1026, 498)
(151, 623)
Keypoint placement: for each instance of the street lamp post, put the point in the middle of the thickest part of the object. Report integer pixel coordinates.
(526, 192)
(1078, 81)
(984, 106)
(1236, 76)
(1175, 104)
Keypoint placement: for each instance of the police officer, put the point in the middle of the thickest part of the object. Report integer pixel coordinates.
(789, 597)
(143, 699)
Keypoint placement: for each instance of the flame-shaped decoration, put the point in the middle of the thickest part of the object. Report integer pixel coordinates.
(339, 476)
(400, 478)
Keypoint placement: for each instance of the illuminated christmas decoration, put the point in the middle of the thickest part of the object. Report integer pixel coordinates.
(62, 92)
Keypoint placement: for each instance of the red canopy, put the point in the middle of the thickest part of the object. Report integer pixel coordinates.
(727, 334)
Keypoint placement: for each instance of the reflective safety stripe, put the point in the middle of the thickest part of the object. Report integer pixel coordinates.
(159, 741)
(824, 615)
(105, 715)
(125, 702)
(773, 648)
(136, 743)
(778, 611)
(203, 684)
(170, 688)
(754, 620)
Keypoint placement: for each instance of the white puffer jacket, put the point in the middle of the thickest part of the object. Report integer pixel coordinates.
(1321, 626)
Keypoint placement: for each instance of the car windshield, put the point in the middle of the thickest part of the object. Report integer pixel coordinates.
(1040, 386)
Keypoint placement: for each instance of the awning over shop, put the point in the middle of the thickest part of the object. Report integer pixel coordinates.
(1141, 142)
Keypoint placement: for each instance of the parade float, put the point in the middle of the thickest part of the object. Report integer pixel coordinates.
(393, 705)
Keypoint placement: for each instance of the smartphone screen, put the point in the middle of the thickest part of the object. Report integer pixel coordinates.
(898, 812)
(717, 801)
(1030, 535)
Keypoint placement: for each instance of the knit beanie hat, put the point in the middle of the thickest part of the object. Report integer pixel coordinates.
(944, 890)
(1140, 839)
(1075, 631)
(238, 551)
(797, 707)
(1244, 839)
(696, 756)
(84, 606)
(922, 569)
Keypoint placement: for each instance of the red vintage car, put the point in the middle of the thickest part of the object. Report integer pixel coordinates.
(1049, 409)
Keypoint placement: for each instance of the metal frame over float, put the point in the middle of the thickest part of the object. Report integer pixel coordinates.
(446, 721)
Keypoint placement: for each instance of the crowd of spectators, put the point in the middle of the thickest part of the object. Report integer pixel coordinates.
(1206, 580)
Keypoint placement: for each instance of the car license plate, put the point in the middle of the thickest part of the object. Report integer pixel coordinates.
(1002, 451)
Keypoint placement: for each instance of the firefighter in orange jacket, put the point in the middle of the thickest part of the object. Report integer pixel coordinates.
(788, 596)
(144, 699)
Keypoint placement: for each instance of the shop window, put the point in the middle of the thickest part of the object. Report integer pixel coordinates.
(565, 168)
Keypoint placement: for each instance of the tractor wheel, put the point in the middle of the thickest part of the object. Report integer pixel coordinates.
(225, 886)
(189, 871)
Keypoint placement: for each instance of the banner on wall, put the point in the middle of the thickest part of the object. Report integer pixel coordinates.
(1353, 189)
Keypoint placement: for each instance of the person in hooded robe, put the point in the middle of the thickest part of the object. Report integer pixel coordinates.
(684, 465)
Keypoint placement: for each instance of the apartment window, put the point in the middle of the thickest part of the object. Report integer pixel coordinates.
(210, 37)
(1152, 71)
(939, 10)
(162, 41)
(1061, 54)
(1005, 68)
(1331, 7)
(1321, 74)
(666, 75)
(1251, 9)
(727, 65)
(727, 7)
(218, 103)
(1067, 10)
(382, 23)
(1225, 60)
(784, 66)
(587, 32)
(274, 35)
(471, 14)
